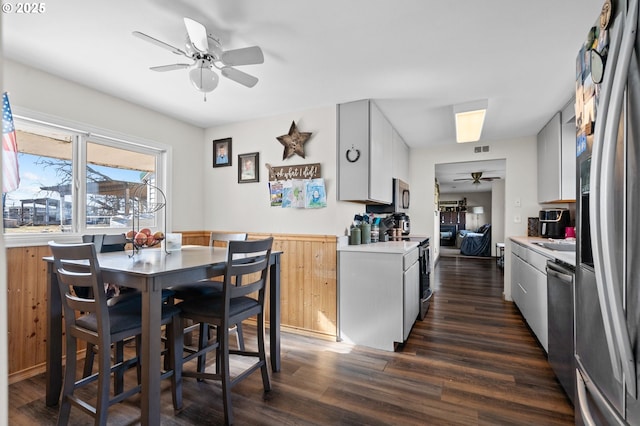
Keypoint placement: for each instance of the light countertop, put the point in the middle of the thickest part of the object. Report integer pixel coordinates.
(381, 247)
(568, 257)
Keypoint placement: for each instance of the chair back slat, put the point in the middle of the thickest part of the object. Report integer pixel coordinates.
(77, 268)
(106, 243)
(246, 258)
(218, 237)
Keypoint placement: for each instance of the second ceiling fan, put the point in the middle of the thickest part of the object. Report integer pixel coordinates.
(476, 178)
(206, 52)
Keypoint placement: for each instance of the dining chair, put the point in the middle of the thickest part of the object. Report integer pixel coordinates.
(92, 320)
(109, 243)
(242, 297)
(208, 287)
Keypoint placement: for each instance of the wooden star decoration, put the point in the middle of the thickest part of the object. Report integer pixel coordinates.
(294, 141)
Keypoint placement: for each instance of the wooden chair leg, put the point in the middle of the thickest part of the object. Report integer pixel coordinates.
(69, 381)
(176, 342)
(239, 336)
(104, 373)
(118, 376)
(89, 356)
(203, 340)
(266, 383)
(225, 376)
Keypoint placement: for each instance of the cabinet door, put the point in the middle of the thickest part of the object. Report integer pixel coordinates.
(535, 284)
(568, 163)
(400, 154)
(380, 159)
(518, 292)
(411, 298)
(353, 138)
(549, 157)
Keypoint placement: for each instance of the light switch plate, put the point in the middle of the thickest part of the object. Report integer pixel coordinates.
(517, 219)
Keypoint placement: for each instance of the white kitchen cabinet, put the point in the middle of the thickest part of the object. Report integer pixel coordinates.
(411, 282)
(378, 296)
(400, 158)
(556, 145)
(529, 289)
(365, 147)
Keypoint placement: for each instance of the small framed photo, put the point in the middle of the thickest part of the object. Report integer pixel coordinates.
(248, 167)
(222, 152)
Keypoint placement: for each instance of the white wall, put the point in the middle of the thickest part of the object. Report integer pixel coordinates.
(233, 206)
(37, 91)
(520, 184)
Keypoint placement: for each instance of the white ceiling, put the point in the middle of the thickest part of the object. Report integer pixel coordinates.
(416, 58)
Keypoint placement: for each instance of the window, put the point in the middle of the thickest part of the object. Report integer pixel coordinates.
(112, 173)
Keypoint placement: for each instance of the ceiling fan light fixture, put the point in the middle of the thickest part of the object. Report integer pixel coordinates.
(203, 78)
(469, 119)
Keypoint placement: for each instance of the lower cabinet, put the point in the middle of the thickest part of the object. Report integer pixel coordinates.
(529, 289)
(378, 297)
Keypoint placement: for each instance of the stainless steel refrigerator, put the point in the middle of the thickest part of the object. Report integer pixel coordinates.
(607, 292)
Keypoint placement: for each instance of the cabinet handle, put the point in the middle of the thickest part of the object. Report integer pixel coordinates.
(348, 154)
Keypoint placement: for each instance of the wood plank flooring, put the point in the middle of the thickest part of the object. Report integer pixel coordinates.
(472, 361)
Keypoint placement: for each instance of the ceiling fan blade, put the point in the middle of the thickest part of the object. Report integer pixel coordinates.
(239, 76)
(197, 35)
(157, 42)
(245, 56)
(171, 67)
(461, 179)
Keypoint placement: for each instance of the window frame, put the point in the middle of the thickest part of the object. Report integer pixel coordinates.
(84, 133)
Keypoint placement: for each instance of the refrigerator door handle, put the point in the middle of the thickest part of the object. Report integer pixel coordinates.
(608, 235)
(595, 197)
(584, 386)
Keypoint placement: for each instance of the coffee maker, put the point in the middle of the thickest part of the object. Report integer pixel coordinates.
(553, 223)
(402, 222)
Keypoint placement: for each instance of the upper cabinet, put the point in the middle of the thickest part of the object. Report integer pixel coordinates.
(365, 151)
(557, 158)
(400, 157)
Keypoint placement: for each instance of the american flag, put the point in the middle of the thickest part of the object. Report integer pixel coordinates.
(10, 174)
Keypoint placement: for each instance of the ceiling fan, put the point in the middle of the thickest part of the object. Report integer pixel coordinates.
(205, 52)
(476, 178)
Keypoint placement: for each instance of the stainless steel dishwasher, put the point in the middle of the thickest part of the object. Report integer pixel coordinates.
(560, 283)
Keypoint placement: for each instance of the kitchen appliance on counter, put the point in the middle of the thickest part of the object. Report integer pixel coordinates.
(560, 283)
(553, 222)
(401, 199)
(607, 287)
(402, 222)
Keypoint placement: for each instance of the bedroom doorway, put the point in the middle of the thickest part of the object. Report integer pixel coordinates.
(471, 207)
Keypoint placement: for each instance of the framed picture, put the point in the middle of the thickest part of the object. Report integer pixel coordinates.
(222, 152)
(248, 167)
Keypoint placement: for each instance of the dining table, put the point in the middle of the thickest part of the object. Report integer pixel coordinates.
(150, 271)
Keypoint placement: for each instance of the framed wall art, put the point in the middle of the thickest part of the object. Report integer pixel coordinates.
(248, 167)
(222, 152)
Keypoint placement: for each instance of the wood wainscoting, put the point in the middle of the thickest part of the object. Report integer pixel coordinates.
(308, 294)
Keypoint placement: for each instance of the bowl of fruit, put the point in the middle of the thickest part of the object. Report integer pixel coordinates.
(145, 238)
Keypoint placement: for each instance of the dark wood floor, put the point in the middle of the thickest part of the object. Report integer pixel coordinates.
(472, 361)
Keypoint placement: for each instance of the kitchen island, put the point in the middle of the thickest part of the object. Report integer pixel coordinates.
(378, 293)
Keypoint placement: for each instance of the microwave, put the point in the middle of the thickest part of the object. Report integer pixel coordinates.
(400, 203)
(401, 195)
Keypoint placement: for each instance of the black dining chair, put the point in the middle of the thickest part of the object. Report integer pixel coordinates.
(91, 319)
(208, 287)
(109, 243)
(242, 297)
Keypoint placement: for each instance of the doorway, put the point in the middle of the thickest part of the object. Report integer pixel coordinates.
(471, 200)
